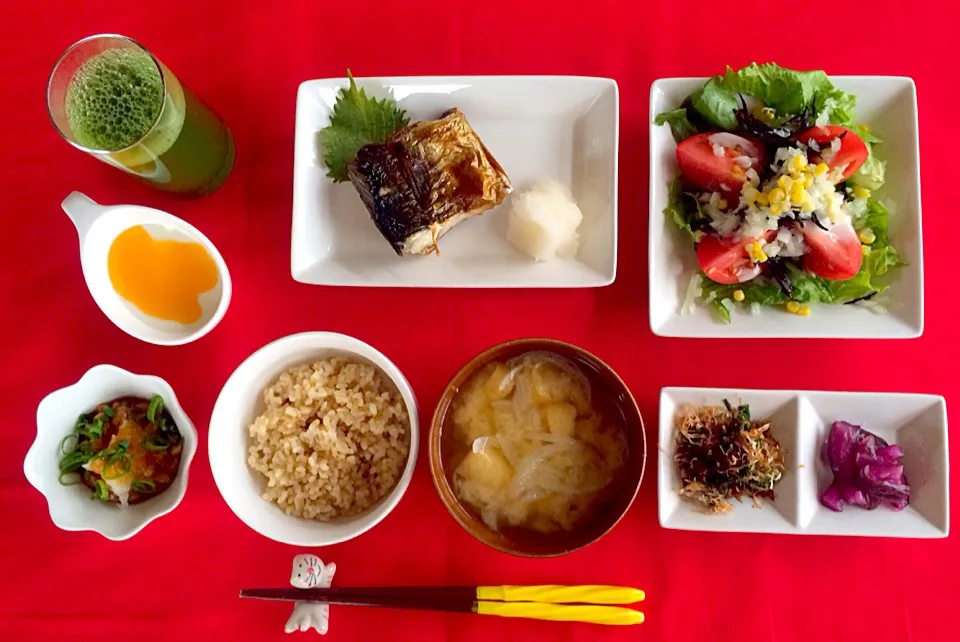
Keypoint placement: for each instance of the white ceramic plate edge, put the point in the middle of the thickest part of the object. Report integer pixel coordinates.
(301, 268)
(777, 331)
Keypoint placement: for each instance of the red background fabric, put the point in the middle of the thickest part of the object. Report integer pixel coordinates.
(179, 578)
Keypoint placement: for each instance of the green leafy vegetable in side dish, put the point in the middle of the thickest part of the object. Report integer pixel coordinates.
(871, 174)
(785, 91)
(680, 125)
(357, 120)
(675, 210)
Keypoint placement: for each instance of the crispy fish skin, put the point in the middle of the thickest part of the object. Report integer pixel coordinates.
(425, 179)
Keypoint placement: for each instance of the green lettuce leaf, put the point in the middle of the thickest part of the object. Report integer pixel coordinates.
(675, 209)
(865, 134)
(716, 103)
(877, 219)
(680, 125)
(784, 90)
(871, 174)
(722, 312)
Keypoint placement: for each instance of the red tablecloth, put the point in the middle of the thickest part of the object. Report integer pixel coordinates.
(178, 579)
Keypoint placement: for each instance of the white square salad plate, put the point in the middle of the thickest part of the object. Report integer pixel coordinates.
(889, 105)
(537, 127)
(801, 421)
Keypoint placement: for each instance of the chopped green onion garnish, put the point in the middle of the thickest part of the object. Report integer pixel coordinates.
(101, 492)
(143, 485)
(73, 461)
(108, 412)
(155, 408)
(121, 463)
(155, 442)
(93, 430)
(72, 479)
(64, 448)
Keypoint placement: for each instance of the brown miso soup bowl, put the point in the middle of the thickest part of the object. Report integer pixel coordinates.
(530, 543)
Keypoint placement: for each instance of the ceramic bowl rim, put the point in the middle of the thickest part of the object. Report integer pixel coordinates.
(442, 486)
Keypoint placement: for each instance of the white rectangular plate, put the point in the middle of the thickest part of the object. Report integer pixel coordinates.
(553, 127)
(888, 105)
(801, 420)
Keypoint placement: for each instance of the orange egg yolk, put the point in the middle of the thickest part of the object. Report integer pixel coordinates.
(162, 278)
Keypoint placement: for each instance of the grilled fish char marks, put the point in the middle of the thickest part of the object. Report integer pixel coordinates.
(425, 179)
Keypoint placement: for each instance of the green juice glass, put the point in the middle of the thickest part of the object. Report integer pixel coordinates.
(110, 97)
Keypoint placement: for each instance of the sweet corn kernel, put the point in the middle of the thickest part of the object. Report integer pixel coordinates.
(804, 311)
(722, 204)
(763, 198)
(821, 169)
(799, 162)
(797, 193)
(776, 209)
(738, 295)
(807, 206)
(793, 306)
(867, 236)
(861, 192)
(784, 183)
(749, 194)
(865, 249)
(756, 252)
(777, 195)
(807, 180)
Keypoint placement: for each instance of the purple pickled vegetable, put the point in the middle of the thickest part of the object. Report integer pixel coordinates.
(832, 498)
(898, 504)
(866, 470)
(890, 455)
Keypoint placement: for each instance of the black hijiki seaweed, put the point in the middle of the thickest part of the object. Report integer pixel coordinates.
(780, 136)
(777, 270)
(865, 297)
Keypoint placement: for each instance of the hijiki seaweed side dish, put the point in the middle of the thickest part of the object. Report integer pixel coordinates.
(722, 454)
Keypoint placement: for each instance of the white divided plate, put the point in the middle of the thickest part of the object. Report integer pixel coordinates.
(888, 104)
(537, 127)
(800, 422)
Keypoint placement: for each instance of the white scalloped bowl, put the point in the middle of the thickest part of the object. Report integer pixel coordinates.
(70, 506)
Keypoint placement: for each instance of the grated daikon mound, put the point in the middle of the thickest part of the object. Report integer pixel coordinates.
(544, 221)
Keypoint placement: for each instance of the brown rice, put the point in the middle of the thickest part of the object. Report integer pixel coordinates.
(331, 441)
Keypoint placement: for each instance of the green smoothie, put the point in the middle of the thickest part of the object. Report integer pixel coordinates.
(123, 103)
(114, 99)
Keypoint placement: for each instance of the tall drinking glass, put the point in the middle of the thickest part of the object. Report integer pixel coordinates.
(112, 98)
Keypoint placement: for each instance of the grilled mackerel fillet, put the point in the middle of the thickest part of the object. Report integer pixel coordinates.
(425, 179)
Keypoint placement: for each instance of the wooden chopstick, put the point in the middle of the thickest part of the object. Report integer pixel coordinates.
(549, 602)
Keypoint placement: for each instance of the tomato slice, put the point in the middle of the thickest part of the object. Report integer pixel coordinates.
(833, 254)
(718, 162)
(852, 154)
(726, 260)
